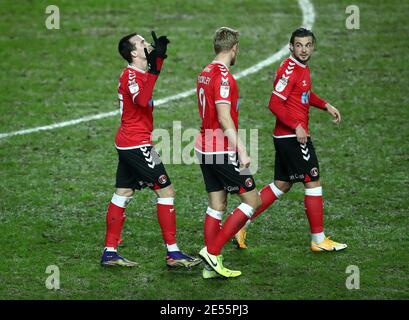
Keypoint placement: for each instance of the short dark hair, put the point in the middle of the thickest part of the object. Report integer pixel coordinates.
(301, 33)
(125, 47)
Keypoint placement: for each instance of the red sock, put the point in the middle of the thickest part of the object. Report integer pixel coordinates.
(212, 225)
(167, 219)
(314, 209)
(267, 199)
(114, 222)
(234, 222)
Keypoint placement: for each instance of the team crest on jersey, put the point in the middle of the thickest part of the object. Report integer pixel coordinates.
(224, 91)
(281, 84)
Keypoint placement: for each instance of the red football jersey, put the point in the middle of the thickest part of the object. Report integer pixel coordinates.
(215, 85)
(136, 119)
(293, 84)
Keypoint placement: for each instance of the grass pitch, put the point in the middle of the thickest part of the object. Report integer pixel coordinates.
(56, 184)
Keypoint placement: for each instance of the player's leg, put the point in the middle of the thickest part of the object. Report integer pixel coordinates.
(115, 217)
(217, 202)
(314, 209)
(270, 193)
(225, 176)
(166, 212)
(313, 201)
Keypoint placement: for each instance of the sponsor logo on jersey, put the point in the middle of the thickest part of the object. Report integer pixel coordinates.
(224, 91)
(281, 84)
(249, 182)
(305, 97)
(314, 172)
(163, 179)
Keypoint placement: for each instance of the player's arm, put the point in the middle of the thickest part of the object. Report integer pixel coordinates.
(278, 108)
(155, 60)
(229, 129)
(284, 84)
(317, 102)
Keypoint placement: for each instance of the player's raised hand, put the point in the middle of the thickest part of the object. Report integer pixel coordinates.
(160, 44)
(301, 134)
(151, 59)
(334, 112)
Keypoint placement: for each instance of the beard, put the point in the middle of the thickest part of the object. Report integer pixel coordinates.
(299, 59)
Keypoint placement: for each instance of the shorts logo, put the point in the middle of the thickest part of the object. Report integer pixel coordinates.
(305, 152)
(163, 179)
(314, 172)
(148, 157)
(249, 183)
(231, 189)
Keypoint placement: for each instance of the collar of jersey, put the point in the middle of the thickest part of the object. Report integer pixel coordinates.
(298, 62)
(136, 68)
(219, 62)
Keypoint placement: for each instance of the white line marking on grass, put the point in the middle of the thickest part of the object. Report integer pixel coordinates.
(308, 21)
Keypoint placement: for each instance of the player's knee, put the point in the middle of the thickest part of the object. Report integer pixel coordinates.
(219, 206)
(312, 184)
(257, 202)
(124, 192)
(283, 186)
(168, 192)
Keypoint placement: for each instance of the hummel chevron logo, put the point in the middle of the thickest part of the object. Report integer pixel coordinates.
(146, 154)
(306, 158)
(224, 74)
(152, 165)
(291, 63)
(304, 151)
(290, 68)
(225, 79)
(287, 72)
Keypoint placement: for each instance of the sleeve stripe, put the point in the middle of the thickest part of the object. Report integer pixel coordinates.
(279, 95)
(222, 101)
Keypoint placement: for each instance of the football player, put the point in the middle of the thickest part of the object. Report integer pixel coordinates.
(222, 155)
(295, 158)
(139, 165)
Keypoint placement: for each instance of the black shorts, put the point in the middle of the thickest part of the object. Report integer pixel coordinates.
(222, 172)
(295, 162)
(140, 168)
